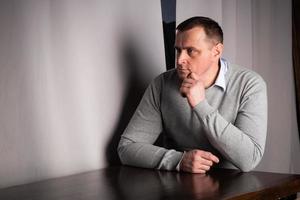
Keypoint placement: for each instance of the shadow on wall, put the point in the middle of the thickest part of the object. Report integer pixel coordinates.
(131, 64)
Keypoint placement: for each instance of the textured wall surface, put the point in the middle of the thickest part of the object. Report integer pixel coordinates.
(64, 71)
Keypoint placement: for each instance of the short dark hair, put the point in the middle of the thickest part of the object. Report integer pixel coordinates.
(211, 27)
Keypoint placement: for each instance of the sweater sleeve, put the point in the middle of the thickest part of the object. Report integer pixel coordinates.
(136, 145)
(243, 142)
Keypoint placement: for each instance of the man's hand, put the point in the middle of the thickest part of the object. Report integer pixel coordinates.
(193, 88)
(197, 161)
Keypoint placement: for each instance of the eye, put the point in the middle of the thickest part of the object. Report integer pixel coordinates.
(178, 50)
(191, 51)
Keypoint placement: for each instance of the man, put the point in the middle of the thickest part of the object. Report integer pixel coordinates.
(210, 112)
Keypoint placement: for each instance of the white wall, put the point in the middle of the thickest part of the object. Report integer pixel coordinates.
(63, 81)
(258, 36)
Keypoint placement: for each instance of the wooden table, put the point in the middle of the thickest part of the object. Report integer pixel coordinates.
(121, 182)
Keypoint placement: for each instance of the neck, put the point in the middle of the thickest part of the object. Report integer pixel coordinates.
(211, 75)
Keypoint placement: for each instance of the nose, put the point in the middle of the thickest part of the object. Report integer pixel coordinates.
(181, 58)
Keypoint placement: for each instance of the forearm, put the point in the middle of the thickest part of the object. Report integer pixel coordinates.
(242, 144)
(136, 145)
(147, 155)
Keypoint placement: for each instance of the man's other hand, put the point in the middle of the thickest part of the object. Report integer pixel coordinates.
(197, 161)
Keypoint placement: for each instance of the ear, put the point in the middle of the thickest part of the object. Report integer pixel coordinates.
(218, 50)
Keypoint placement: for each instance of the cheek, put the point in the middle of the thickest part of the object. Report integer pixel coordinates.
(202, 64)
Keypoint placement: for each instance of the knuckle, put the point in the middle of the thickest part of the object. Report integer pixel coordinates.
(198, 152)
(195, 169)
(193, 159)
(208, 154)
(194, 152)
(193, 165)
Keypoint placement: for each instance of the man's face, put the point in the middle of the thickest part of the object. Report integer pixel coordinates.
(194, 53)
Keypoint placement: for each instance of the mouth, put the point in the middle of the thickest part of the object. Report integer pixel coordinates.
(183, 72)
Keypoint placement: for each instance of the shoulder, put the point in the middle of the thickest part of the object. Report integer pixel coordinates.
(170, 74)
(161, 81)
(244, 78)
(165, 78)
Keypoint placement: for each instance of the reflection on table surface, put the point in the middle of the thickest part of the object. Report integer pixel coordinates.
(126, 183)
(174, 185)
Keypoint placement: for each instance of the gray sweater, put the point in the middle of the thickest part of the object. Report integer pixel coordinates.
(232, 124)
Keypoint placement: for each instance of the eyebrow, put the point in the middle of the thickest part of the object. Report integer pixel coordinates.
(187, 47)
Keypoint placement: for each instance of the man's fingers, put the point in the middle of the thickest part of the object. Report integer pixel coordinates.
(186, 84)
(189, 75)
(207, 162)
(214, 158)
(204, 167)
(194, 168)
(208, 156)
(188, 81)
(198, 161)
(193, 76)
(198, 171)
(183, 90)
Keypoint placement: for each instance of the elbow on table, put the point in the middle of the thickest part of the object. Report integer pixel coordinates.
(121, 150)
(249, 160)
(249, 165)
(246, 168)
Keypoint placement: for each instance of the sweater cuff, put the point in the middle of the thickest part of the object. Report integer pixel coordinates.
(178, 165)
(203, 109)
(170, 160)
